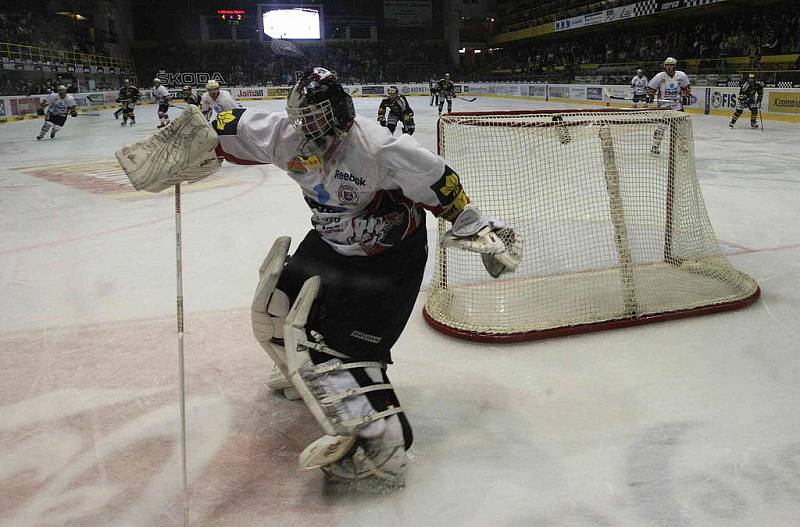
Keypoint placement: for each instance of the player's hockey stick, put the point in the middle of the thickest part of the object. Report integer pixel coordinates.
(178, 107)
(610, 95)
(761, 118)
(88, 114)
(181, 375)
(468, 99)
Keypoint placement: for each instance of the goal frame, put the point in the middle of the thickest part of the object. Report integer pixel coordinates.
(632, 320)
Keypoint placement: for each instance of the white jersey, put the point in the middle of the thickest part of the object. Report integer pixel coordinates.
(639, 85)
(58, 106)
(161, 94)
(670, 88)
(366, 194)
(224, 101)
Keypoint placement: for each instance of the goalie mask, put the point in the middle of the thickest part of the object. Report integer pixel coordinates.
(318, 105)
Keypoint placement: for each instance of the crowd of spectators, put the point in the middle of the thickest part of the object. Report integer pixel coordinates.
(32, 23)
(748, 33)
(11, 84)
(255, 63)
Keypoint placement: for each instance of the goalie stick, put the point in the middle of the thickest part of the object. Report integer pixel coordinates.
(610, 95)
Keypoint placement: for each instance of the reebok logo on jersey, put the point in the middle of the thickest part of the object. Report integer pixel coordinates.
(347, 176)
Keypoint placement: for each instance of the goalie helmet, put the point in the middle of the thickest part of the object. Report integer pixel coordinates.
(318, 105)
(393, 92)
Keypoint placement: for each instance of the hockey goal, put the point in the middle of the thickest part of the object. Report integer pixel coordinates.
(615, 235)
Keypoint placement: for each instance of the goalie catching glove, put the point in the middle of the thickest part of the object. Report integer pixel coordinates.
(183, 152)
(499, 246)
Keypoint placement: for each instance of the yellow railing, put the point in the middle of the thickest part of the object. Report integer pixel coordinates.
(46, 55)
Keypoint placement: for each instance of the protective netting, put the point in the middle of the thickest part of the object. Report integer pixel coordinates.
(615, 234)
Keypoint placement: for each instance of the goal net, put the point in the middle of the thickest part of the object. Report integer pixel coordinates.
(615, 234)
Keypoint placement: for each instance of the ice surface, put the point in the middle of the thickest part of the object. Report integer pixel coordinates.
(694, 422)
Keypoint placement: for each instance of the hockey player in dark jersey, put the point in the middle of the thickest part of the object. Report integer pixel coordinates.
(750, 95)
(128, 95)
(399, 110)
(446, 93)
(189, 96)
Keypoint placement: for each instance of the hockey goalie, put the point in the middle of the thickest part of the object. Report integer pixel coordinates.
(329, 315)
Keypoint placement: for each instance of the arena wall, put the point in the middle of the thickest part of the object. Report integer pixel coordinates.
(781, 104)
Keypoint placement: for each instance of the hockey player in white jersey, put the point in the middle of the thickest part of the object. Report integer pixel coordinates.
(639, 88)
(58, 106)
(162, 98)
(329, 315)
(673, 90)
(216, 100)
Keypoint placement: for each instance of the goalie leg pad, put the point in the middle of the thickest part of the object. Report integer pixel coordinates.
(353, 402)
(268, 313)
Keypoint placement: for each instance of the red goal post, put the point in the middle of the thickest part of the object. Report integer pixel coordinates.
(615, 235)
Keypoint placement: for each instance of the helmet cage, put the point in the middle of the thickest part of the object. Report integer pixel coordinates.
(313, 120)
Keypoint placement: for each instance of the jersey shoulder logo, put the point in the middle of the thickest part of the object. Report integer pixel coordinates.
(228, 121)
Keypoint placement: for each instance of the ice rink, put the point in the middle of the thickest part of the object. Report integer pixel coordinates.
(693, 422)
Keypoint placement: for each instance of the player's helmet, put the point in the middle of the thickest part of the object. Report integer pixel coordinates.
(752, 76)
(393, 92)
(639, 72)
(62, 88)
(212, 85)
(187, 88)
(671, 61)
(126, 81)
(156, 81)
(318, 105)
(446, 75)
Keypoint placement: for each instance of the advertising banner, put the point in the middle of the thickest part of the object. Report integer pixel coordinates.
(722, 98)
(784, 102)
(247, 92)
(594, 93)
(372, 90)
(560, 92)
(536, 90)
(278, 92)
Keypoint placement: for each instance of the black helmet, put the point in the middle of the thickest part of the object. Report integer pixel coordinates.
(318, 105)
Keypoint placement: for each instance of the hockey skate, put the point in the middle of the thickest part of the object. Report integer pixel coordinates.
(731, 124)
(39, 137)
(278, 382)
(753, 124)
(365, 436)
(53, 134)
